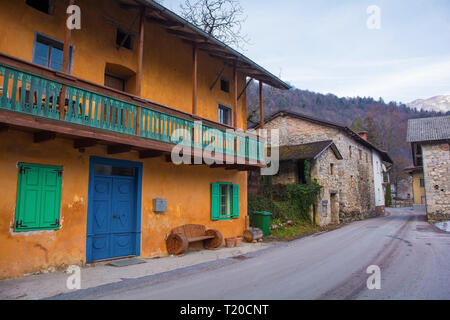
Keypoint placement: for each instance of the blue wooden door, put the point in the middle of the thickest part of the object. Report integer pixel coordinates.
(113, 224)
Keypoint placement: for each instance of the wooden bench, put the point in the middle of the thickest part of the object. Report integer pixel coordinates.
(179, 238)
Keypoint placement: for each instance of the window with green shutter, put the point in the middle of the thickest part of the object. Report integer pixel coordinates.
(224, 201)
(38, 197)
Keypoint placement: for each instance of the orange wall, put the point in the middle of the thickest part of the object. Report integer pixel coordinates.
(167, 65)
(186, 188)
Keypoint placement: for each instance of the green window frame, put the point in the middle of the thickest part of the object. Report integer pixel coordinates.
(38, 205)
(224, 201)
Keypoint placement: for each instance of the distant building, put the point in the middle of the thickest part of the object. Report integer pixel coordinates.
(322, 157)
(429, 138)
(358, 195)
(418, 184)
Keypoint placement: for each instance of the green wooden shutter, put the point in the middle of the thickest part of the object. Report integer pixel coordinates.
(215, 201)
(38, 197)
(51, 197)
(235, 200)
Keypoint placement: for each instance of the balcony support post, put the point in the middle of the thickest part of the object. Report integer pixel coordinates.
(261, 106)
(235, 94)
(194, 79)
(65, 65)
(139, 68)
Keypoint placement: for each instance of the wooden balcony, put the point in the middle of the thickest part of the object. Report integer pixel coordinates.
(32, 97)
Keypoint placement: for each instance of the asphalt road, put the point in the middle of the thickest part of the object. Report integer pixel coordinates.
(413, 256)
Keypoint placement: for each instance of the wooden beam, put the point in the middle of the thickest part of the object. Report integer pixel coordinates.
(245, 88)
(66, 64)
(140, 52)
(235, 95)
(4, 127)
(66, 48)
(261, 106)
(217, 79)
(42, 136)
(194, 79)
(166, 23)
(84, 143)
(186, 34)
(150, 154)
(119, 148)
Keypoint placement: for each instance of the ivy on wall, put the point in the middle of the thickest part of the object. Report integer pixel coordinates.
(286, 202)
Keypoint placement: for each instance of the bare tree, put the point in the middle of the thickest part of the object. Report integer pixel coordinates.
(222, 19)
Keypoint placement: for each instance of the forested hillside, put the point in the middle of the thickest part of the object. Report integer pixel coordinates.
(385, 122)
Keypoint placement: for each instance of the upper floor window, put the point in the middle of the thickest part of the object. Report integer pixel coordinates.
(360, 154)
(124, 39)
(49, 53)
(46, 6)
(119, 77)
(225, 115)
(350, 151)
(224, 85)
(332, 168)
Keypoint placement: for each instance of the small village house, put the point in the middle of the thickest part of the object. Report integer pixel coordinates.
(321, 158)
(88, 120)
(430, 138)
(352, 172)
(418, 185)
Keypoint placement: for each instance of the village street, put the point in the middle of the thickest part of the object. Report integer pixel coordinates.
(414, 258)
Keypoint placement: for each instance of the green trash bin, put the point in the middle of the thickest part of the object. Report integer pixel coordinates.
(261, 220)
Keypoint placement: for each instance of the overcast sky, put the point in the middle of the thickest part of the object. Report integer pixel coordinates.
(325, 45)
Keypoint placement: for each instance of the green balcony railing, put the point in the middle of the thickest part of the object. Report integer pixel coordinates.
(36, 95)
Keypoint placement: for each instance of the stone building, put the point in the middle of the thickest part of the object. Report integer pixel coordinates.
(354, 187)
(417, 184)
(430, 138)
(322, 156)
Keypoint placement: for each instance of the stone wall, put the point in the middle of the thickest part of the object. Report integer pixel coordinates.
(328, 200)
(436, 167)
(355, 173)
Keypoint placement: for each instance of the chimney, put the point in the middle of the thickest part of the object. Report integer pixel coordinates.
(363, 134)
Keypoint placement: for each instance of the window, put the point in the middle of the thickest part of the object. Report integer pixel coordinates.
(332, 168)
(45, 6)
(422, 182)
(225, 115)
(125, 40)
(49, 53)
(224, 85)
(224, 201)
(367, 158)
(360, 154)
(350, 151)
(38, 197)
(115, 82)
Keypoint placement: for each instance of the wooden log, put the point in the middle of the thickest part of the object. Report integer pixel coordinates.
(253, 234)
(215, 242)
(176, 243)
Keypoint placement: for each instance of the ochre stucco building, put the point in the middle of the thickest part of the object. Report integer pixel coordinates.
(87, 119)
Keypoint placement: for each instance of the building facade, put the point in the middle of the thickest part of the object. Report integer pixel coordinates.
(355, 172)
(89, 119)
(430, 138)
(322, 158)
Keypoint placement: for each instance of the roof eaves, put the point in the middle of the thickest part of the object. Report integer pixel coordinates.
(281, 83)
